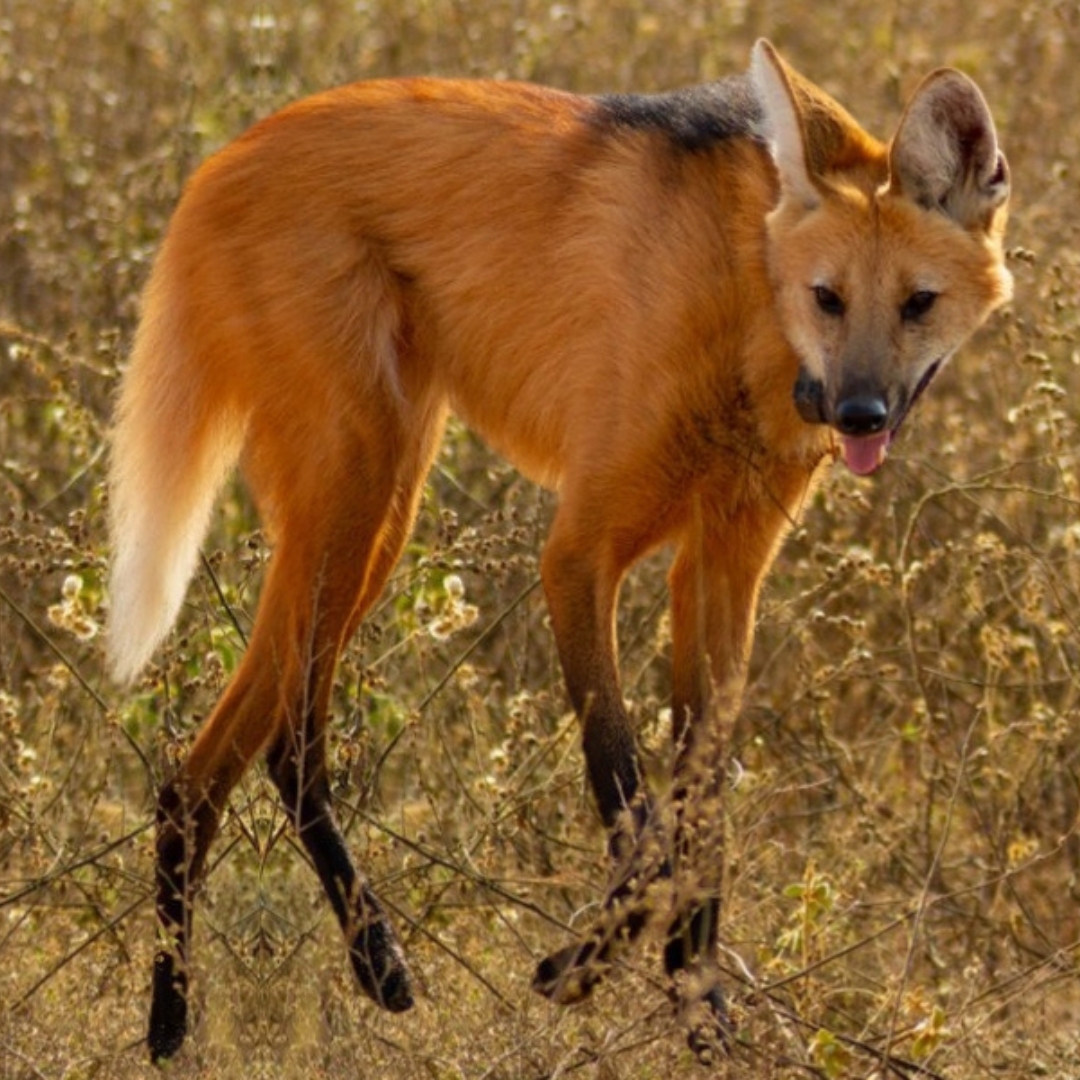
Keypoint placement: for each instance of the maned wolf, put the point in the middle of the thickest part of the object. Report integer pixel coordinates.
(670, 309)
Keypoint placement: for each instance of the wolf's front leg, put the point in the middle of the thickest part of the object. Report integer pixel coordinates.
(581, 583)
(714, 583)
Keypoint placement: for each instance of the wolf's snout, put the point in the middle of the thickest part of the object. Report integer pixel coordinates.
(861, 414)
(860, 418)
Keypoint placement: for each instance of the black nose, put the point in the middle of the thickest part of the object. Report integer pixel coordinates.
(861, 414)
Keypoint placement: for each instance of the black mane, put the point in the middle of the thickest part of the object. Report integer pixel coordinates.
(695, 118)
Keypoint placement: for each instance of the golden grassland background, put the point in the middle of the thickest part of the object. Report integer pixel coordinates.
(902, 859)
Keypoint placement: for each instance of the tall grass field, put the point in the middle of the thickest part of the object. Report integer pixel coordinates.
(902, 855)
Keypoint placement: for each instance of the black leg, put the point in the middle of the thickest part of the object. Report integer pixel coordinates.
(185, 830)
(637, 852)
(376, 954)
(690, 959)
(168, 1008)
(581, 570)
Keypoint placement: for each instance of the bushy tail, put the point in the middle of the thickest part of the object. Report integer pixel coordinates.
(175, 438)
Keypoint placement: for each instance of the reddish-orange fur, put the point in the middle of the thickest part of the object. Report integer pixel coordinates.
(622, 317)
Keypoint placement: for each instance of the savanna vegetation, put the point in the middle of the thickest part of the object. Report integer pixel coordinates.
(902, 866)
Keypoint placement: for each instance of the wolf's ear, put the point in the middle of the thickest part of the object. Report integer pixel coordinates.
(783, 124)
(945, 153)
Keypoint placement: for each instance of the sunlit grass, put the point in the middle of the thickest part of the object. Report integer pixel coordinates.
(902, 855)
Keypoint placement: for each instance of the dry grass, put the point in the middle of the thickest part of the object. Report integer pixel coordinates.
(903, 857)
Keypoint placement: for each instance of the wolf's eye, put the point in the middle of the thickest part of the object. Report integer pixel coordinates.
(917, 305)
(828, 301)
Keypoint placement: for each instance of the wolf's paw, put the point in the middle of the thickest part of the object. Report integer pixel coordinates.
(710, 1030)
(570, 975)
(379, 963)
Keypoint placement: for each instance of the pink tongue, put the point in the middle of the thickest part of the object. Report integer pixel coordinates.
(862, 456)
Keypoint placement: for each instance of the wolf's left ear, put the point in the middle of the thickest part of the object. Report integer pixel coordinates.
(945, 153)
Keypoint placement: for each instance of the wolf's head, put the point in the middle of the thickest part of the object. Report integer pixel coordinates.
(883, 259)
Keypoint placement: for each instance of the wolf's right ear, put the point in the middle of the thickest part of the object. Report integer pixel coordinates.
(783, 124)
(945, 153)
